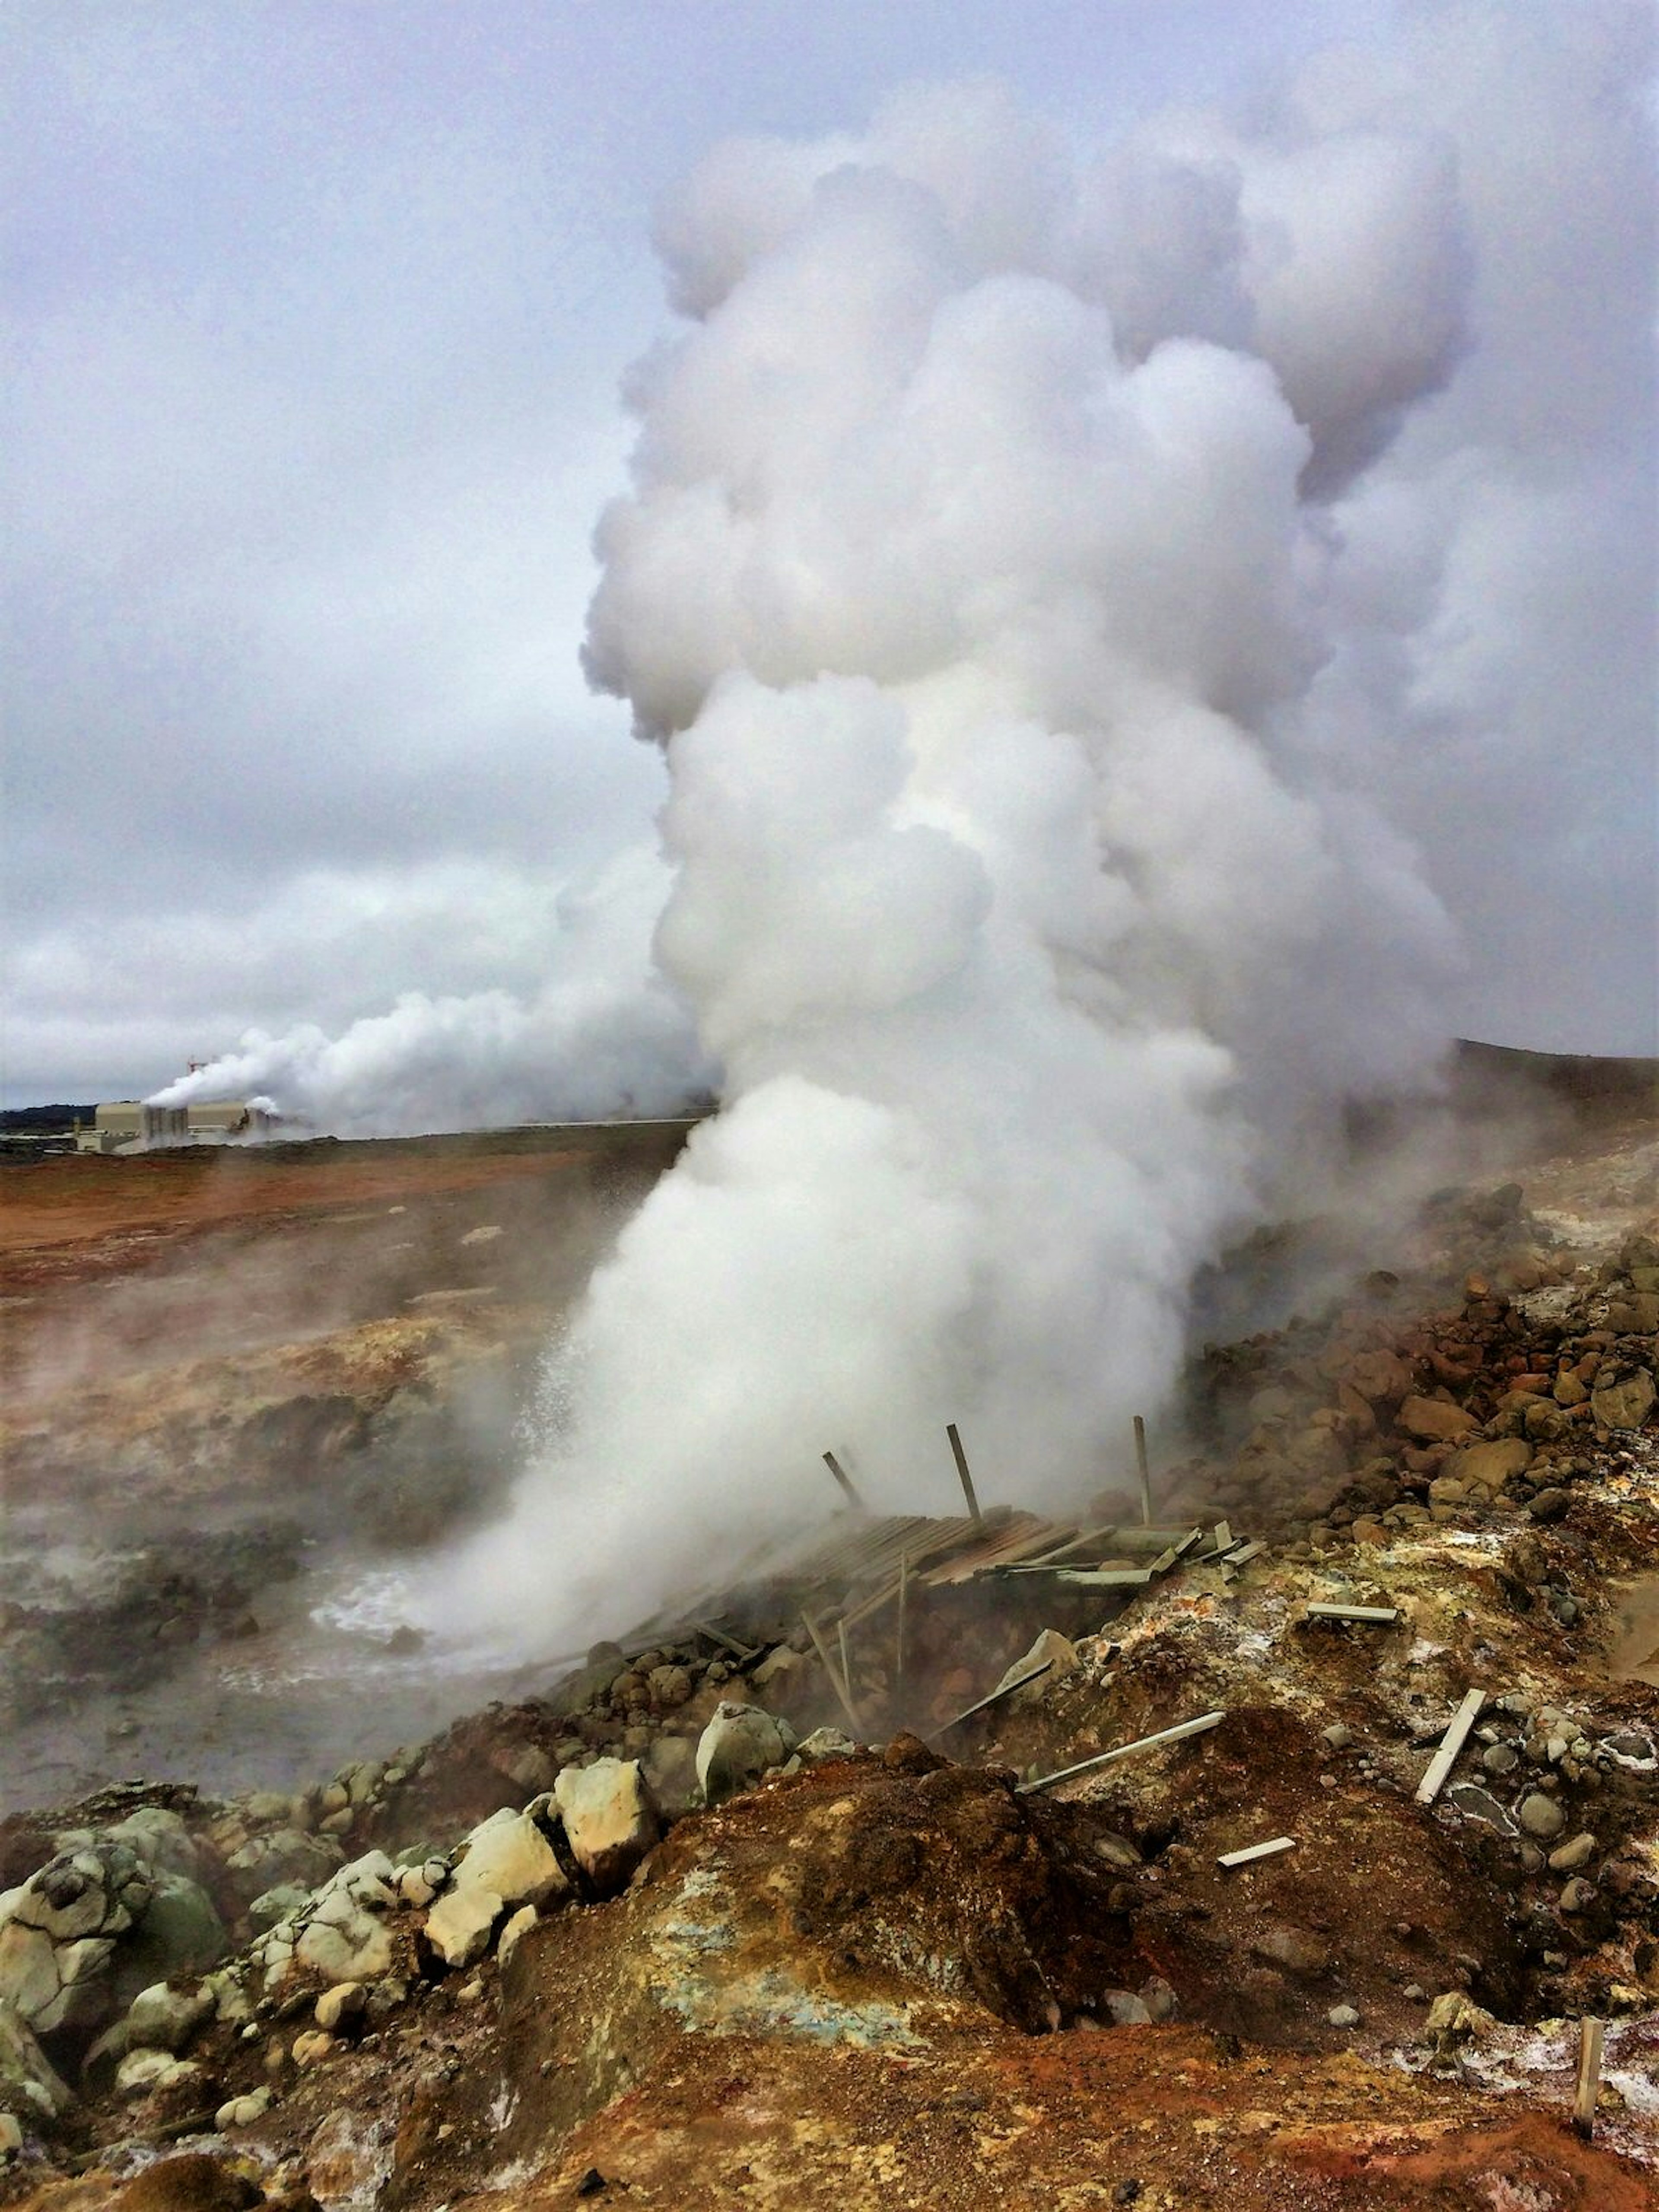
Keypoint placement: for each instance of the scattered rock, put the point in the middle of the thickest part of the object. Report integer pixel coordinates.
(1343, 2015)
(1433, 1420)
(339, 2006)
(459, 1925)
(164, 2019)
(739, 1745)
(610, 1819)
(517, 1928)
(1541, 1816)
(28, 2081)
(1057, 1652)
(242, 2111)
(509, 1856)
(1624, 1403)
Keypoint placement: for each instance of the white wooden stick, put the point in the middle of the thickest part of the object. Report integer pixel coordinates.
(1257, 1851)
(1125, 1751)
(1450, 1744)
(1381, 1614)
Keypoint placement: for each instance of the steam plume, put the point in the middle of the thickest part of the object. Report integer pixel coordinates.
(606, 1035)
(1007, 574)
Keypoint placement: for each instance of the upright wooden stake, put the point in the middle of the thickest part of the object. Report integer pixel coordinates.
(1590, 2032)
(843, 1692)
(846, 1663)
(898, 1635)
(961, 1470)
(849, 1487)
(1146, 1473)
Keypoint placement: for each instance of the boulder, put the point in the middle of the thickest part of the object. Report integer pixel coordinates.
(508, 1855)
(141, 2073)
(160, 1839)
(28, 2083)
(1490, 1465)
(825, 1743)
(739, 1745)
(164, 2018)
(670, 1768)
(1379, 1378)
(242, 2111)
(609, 1818)
(286, 1856)
(514, 1932)
(337, 2006)
(670, 1688)
(1433, 1420)
(458, 1925)
(181, 1933)
(1624, 1403)
(342, 1942)
(1057, 1652)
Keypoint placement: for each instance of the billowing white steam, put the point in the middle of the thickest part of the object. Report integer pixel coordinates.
(606, 1035)
(981, 574)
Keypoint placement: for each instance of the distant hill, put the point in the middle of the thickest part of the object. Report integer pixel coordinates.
(16, 1118)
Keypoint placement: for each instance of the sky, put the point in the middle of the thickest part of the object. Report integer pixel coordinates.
(317, 319)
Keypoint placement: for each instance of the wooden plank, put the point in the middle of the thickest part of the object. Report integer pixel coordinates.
(1380, 1616)
(1591, 2035)
(963, 1475)
(1252, 1852)
(1450, 1744)
(849, 1487)
(1172, 1554)
(995, 1699)
(716, 1636)
(1241, 1554)
(842, 1690)
(1176, 1734)
(1103, 1577)
(1143, 1468)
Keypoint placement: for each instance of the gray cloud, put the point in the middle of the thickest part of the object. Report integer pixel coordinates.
(318, 314)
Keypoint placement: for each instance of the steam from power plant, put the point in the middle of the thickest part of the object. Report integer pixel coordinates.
(606, 1034)
(1039, 571)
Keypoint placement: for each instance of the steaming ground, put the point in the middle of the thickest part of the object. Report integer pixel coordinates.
(1013, 573)
(1112, 616)
(248, 1396)
(230, 1403)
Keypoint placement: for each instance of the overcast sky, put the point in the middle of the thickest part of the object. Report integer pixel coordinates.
(316, 314)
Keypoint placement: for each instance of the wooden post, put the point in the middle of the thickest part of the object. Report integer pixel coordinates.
(1590, 2032)
(961, 1470)
(1145, 1472)
(842, 1691)
(846, 1663)
(849, 1487)
(898, 1635)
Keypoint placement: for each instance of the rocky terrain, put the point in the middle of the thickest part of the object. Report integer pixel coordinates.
(234, 1384)
(659, 1931)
